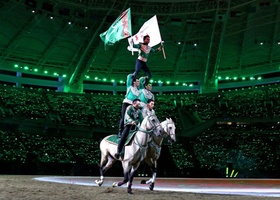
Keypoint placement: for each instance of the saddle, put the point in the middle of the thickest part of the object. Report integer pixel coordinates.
(114, 139)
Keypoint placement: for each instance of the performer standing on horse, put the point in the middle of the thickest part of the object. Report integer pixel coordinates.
(133, 117)
(132, 92)
(141, 62)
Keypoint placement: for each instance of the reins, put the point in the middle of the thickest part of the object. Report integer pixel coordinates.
(149, 132)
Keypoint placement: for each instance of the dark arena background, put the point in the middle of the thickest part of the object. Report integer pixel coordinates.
(62, 92)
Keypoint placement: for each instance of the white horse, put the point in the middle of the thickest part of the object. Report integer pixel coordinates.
(154, 149)
(135, 151)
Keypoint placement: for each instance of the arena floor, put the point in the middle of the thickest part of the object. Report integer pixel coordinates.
(244, 187)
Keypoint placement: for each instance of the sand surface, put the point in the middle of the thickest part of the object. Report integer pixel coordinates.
(24, 187)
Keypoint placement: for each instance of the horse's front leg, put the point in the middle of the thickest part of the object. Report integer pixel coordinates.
(126, 172)
(153, 165)
(131, 176)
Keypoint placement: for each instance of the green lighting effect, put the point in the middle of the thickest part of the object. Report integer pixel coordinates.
(259, 78)
(191, 85)
(104, 79)
(56, 74)
(168, 82)
(16, 65)
(184, 84)
(46, 72)
(26, 68)
(219, 77)
(227, 78)
(159, 81)
(112, 80)
(151, 80)
(252, 78)
(243, 78)
(177, 83)
(121, 81)
(234, 78)
(64, 75)
(35, 70)
(96, 78)
(87, 77)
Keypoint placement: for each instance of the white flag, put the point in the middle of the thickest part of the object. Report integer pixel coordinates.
(150, 28)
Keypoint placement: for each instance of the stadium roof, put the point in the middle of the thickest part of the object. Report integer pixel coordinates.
(203, 39)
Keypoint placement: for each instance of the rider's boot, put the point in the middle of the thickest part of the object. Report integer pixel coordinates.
(120, 147)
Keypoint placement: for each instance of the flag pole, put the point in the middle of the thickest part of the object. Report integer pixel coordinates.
(163, 52)
(131, 46)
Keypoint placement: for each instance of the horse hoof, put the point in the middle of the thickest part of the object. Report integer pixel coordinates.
(152, 186)
(129, 191)
(143, 182)
(99, 182)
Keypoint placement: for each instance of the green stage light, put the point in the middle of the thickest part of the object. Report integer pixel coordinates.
(96, 78)
(26, 68)
(243, 78)
(219, 77)
(35, 70)
(227, 78)
(252, 78)
(168, 82)
(177, 83)
(151, 80)
(234, 78)
(112, 80)
(16, 65)
(104, 79)
(46, 72)
(259, 78)
(121, 81)
(87, 76)
(191, 85)
(64, 75)
(56, 74)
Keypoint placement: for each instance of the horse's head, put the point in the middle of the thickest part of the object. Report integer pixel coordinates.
(169, 130)
(153, 125)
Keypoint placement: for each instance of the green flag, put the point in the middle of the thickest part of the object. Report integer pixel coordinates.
(120, 29)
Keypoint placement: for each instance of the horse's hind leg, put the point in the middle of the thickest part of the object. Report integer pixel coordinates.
(105, 164)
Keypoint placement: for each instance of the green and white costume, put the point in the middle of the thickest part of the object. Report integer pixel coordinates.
(133, 114)
(131, 92)
(144, 94)
(147, 112)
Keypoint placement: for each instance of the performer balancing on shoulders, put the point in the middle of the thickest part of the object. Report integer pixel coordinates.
(141, 62)
(145, 92)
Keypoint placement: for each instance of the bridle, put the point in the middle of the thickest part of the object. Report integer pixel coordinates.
(154, 122)
(167, 133)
